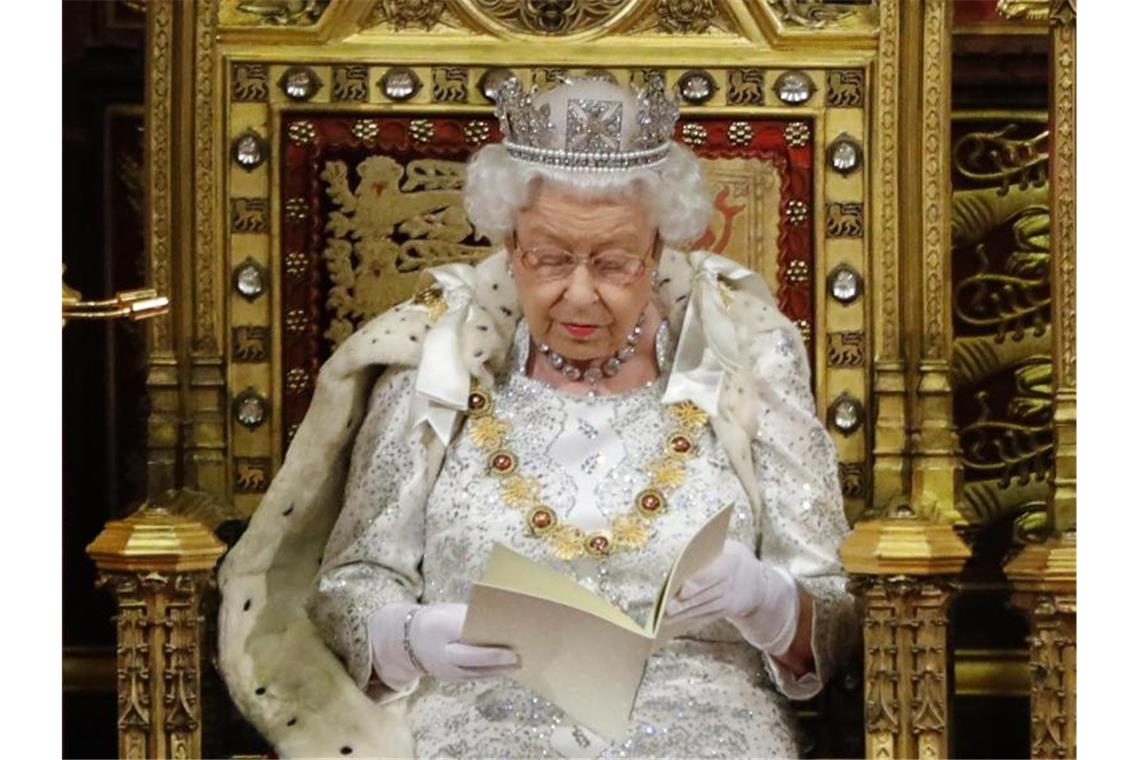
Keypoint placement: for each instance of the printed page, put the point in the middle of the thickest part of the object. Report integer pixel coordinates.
(575, 648)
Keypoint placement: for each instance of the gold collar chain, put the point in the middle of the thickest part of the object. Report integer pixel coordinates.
(628, 531)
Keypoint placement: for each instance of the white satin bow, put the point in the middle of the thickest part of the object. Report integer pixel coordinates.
(443, 381)
(708, 348)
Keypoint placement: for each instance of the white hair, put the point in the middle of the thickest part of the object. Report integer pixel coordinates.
(674, 192)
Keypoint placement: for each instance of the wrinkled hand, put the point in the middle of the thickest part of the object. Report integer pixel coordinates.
(757, 597)
(434, 639)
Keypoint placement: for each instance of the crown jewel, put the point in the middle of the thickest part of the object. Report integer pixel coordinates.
(587, 124)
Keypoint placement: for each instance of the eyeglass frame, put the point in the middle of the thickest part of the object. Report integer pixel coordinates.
(654, 247)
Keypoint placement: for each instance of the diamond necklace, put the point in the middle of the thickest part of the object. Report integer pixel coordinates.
(595, 372)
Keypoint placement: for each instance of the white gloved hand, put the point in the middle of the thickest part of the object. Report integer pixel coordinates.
(433, 638)
(757, 597)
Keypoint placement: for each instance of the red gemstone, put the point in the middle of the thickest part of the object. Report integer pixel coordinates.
(599, 543)
(681, 445)
(650, 502)
(540, 520)
(501, 462)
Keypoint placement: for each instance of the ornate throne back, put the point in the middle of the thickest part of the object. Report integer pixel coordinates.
(343, 128)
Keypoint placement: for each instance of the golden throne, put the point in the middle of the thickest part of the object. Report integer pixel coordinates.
(304, 165)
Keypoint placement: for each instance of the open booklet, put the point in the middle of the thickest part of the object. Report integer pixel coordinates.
(575, 648)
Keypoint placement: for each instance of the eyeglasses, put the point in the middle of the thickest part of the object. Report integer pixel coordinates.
(614, 267)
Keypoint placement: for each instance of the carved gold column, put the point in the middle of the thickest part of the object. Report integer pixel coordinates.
(1044, 576)
(936, 483)
(891, 474)
(156, 563)
(904, 569)
(186, 382)
(163, 383)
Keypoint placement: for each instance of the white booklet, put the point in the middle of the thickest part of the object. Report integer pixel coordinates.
(575, 648)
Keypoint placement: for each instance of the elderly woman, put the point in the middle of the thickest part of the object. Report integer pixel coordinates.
(588, 396)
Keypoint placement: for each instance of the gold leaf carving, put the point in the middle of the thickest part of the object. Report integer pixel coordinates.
(422, 204)
(544, 17)
(814, 14)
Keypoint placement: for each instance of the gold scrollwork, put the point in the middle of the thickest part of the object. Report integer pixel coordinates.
(1022, 446)
(1030, 10)
(814, 14)
(995, 157)
(1017, 298)
(282, 12)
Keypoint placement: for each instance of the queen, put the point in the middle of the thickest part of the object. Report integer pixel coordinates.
(589, 395)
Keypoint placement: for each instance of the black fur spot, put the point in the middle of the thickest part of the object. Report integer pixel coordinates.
(482, 328)
(346, 750)
(506, 311)
(248, 602)
(665, 281)
(413, 339)
(291, 722)
(260, 690)
(478, 354)
(494, 286)
(288, 511)
(374, 340)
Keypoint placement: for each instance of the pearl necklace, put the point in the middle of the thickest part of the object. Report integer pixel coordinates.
(593, 374)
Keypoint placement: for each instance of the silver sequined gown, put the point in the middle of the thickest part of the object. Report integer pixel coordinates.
(403, 538)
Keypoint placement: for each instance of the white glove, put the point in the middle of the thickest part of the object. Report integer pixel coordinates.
(757, 597)
(431, 643)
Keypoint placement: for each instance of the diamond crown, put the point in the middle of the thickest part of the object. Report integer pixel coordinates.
(587, 124)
